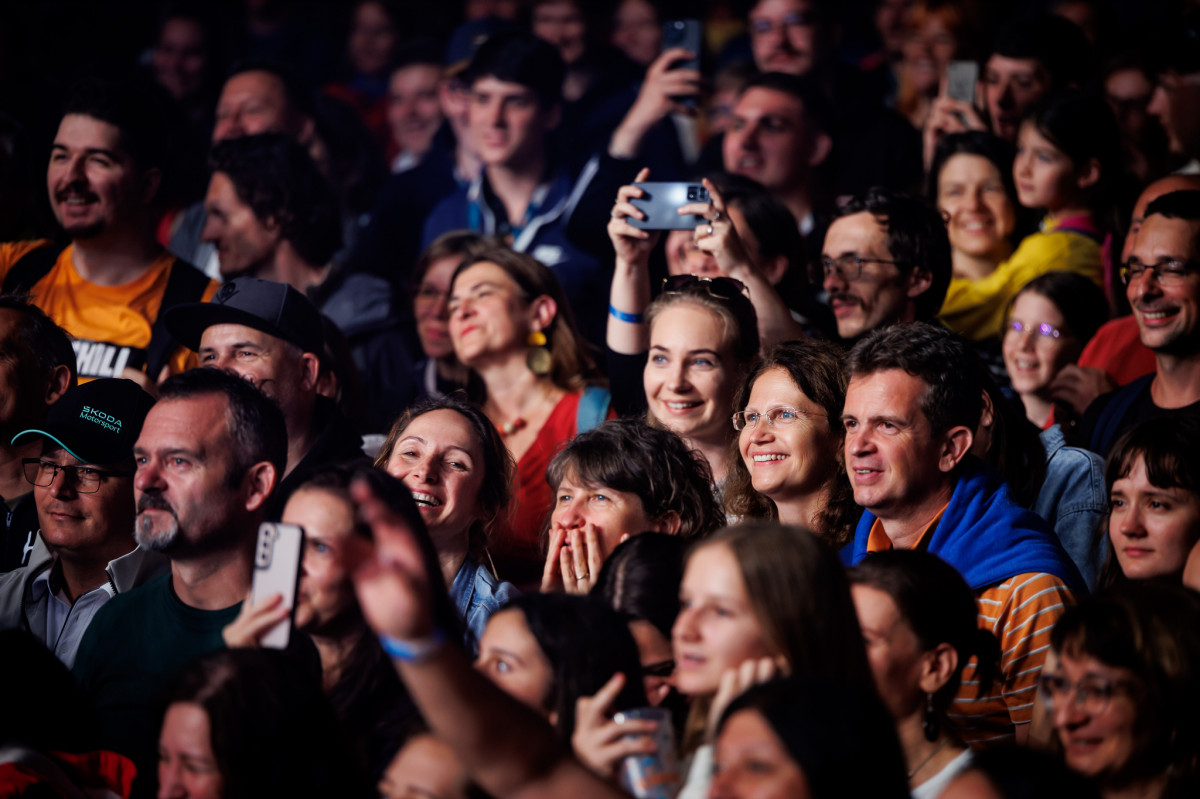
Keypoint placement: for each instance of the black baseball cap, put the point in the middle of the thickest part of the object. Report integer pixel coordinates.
(274, 308)
(97, 421)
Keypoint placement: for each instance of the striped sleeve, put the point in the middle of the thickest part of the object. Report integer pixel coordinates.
(1021, 612)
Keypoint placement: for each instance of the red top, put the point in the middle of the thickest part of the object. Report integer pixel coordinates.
(1117, 349)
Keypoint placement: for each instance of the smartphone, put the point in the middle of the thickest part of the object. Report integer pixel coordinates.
(688, 34)
(660, 202)
(961, 79)
(277, 560)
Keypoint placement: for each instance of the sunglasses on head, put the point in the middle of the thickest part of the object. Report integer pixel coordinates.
(721, 288)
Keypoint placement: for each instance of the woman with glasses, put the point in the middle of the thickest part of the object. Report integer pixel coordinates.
(920, 625)
(691, 345)
(789, 441)
(512, 327)
(1049, 322)
(1124, 690)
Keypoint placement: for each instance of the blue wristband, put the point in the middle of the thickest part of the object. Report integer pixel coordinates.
(413, 651)
(631, 318)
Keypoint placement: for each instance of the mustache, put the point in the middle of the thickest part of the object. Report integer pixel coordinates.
(77, 188)
(154, 502)
(841, 296)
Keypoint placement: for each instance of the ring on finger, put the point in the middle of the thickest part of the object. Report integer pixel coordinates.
(710, 229)
(716, 215)
(616, 214)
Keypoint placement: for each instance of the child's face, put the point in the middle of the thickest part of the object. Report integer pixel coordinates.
(1045, 176)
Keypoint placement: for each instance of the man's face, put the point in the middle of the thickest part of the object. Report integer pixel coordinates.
(93, 183)
(187, 502)
(892, 455)
(1010, 87)
(1167, 312)
(413, 110)
(22, 390)
(245, 246)
(784, 36)
(561, 23)
(507, 124)
(180, 58)
(768, 140)
(881, 295)
(1176, 103)
(274, 366)
(254, 102)
(82, 524)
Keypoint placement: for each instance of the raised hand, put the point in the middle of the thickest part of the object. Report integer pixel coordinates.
(602, 743)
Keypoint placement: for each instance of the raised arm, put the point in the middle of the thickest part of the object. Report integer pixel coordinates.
(630, 292)
(507, 747)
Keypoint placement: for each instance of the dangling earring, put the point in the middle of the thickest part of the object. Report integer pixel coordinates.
(538, 358)
(931, 726)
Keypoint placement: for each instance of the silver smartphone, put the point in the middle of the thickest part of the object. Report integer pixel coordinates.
(961, 79)
(661, 201)
(278, 556)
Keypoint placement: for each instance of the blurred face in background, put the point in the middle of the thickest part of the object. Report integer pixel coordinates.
(637, 31)
(180, 60)
(372, 39)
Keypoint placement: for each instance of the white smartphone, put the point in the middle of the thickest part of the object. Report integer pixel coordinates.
(278, 556)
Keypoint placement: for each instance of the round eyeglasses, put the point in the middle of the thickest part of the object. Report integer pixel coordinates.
(86, 479)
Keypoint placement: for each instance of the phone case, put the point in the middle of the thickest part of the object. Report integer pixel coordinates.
(688, 34)
(661, 201)
(277, 560)
(961, 77)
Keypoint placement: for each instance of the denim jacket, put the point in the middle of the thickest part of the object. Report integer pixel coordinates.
(477, 594)
(1074, 501)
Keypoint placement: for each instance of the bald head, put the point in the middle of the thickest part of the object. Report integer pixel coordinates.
(1149, 194)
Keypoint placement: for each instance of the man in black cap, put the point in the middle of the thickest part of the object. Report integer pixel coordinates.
(270, 334)
(83, 488)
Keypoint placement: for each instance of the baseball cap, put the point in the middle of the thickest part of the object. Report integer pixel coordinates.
(467, 38)
(97, 421)
(274, 308)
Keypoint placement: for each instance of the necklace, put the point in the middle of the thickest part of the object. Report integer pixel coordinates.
(508, 428)
(924, 762)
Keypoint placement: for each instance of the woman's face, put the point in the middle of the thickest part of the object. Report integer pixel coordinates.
(927, 52)
(325, 588)
(431, 310)
(892, 649)
(372, 39)
(980, 214)
(1097, 731)
(425, 768)
(690, 375)
(488, 314)
(717, 628)
(1045, 176)
(511, 658)
(637, 31)
(657, 659)
(187, 767)
(562, 24)
(180, 58)
(685, 258)
(439, 459)
(792, 460)
(1152, 529)
(752, 763)
(1032, 355)
(612, 515)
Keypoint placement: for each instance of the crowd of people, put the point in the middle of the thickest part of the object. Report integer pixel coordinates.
(873, 469)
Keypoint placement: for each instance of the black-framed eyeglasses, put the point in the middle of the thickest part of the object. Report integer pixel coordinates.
(848, 267)
(663, 668)
(86, 479)
(1091, 693)
(1042, 330)
(773, 417)
(1168, 273)
(721, 288)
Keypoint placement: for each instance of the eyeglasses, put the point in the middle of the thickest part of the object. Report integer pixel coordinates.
(1044, 330)
(796, 19)
(85, 478)
(848, 267)
(773, 417)
(1092, 694)
(720, 288)
(1168, 273)
(663, 668)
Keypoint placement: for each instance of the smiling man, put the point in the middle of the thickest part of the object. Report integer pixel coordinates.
(108, 287)
(913, 401)
(886, 260)
(1162, 283)
(82, 483)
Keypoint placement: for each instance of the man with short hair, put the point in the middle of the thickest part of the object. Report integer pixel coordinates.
(886, 260)
(779, 136)
(521, 197)
(1162, 283)
(270, 334)
(37, 366)
(108, 287)
(208, 456)
(1176, 98)
(83, 488)
(912, 405)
